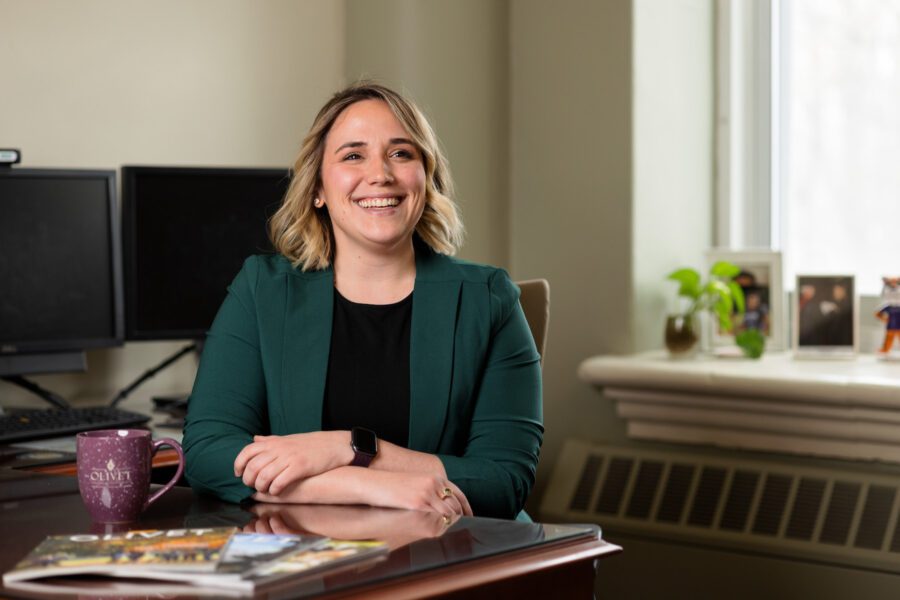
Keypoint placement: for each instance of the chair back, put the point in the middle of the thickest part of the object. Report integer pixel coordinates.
(535, 300)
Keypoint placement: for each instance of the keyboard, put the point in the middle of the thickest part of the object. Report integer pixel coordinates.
(32, 424)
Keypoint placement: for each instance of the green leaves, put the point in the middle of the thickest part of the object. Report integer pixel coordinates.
(738, 294)
(724, 270)
(689, 282)
(723, 303)
(752, 342)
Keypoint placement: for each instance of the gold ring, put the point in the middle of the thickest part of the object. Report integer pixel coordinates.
(446, 519)
(446, 493)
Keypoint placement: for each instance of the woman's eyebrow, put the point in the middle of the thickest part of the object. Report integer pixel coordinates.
(349, 145)
(360, 144)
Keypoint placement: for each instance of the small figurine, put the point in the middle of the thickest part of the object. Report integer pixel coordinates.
(889, 312)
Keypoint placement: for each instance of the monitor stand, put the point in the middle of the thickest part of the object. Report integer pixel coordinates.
(13, 367)
(50, 362)
(44, 394)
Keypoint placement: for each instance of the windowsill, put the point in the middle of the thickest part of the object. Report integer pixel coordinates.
(841, 409)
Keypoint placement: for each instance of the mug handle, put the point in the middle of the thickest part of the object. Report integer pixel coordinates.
(155, 446)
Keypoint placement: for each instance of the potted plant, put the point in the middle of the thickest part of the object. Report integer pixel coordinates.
(722, 297)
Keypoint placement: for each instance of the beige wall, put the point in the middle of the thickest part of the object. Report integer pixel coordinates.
(101, 83)
(570, 201)
(452, 57)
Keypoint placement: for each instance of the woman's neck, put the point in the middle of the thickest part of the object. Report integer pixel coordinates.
(375, 279)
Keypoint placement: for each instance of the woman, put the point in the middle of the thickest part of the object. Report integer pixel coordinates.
(363, 328)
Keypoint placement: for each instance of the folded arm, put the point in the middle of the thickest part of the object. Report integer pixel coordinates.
(359, 485)
(497, 469)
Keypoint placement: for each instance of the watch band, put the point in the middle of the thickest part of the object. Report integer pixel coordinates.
(361, 459)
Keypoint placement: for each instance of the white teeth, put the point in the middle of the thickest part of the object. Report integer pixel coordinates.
(378, 202)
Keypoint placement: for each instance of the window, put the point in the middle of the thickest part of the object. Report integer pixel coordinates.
(810, 126)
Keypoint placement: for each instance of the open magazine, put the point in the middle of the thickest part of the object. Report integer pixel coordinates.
(218, 558)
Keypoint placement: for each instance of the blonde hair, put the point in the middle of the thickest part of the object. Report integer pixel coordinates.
(304, 234)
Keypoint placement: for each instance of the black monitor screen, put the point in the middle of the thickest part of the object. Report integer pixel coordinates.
(186, 233)
(60, 286)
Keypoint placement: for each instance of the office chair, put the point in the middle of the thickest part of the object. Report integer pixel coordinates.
(535, 300)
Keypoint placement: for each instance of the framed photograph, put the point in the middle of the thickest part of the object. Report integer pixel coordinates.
(760, 279)
(825, 316)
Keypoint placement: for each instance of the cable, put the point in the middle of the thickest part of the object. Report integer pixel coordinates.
(51, 397)
(125, 391)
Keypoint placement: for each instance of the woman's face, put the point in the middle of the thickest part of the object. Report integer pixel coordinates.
(373, 180)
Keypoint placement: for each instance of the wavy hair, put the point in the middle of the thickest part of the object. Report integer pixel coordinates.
(305, 235)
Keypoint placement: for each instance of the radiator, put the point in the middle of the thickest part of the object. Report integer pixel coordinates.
(841, 516)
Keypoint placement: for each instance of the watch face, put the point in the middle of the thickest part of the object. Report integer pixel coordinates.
(364, 440)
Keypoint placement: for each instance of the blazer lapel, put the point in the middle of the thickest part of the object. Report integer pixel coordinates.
(432, 335)
(307, 342)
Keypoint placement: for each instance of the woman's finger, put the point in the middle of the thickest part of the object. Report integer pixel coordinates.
(267, 475)
(441, 502)
(282, 480)
(244, 456)
(458, 494)
(253, 469)
(454, 505)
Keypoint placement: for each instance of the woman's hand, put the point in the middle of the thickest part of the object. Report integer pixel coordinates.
(357, 485)
(273, 462)
(423, 492)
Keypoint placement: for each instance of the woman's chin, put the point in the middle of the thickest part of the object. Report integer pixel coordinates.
(388, 241)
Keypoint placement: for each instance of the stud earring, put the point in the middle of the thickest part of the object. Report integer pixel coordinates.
(317, 203)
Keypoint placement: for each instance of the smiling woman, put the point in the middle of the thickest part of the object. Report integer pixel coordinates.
(363, 364)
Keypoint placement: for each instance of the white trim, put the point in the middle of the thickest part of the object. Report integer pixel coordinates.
(744, 160)
(845, 409)
(722, 234)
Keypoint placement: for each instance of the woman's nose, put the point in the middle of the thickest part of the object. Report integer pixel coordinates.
(381, 172)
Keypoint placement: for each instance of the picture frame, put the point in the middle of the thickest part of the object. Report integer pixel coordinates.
(826, 316)
(761, 281)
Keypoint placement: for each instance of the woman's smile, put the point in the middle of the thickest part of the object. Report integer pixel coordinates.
(378, 202)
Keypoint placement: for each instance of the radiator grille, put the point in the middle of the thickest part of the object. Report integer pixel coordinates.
(807, 504)
(847, 517)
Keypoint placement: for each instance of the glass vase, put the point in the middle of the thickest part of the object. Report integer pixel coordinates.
(682, 335)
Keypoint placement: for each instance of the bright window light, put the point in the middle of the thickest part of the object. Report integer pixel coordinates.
(840, 139)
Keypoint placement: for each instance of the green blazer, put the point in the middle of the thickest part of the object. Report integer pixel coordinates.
(475, 376)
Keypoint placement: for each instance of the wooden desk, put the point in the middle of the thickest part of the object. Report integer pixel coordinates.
(164, 458)
(474, 558)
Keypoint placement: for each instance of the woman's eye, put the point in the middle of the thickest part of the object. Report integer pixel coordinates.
(402, 154)
(352, 156)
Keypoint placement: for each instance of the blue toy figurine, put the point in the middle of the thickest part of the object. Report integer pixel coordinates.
(889, 312)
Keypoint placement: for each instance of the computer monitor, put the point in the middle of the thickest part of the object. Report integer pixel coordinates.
(186, 232)
(60, 268)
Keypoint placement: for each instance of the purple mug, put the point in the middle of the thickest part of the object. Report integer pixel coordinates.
(114, 472)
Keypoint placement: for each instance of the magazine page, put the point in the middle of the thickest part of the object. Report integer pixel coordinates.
(333, 555)
(145, 553)
(247, 552)
(96, 586)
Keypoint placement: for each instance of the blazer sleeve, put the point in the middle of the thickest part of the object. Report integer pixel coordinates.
(228, 403)
(497, 469)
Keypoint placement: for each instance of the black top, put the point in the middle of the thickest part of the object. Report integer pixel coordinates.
(368, 369)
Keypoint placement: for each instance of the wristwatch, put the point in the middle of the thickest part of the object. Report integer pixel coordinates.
(365, 446)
